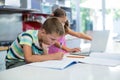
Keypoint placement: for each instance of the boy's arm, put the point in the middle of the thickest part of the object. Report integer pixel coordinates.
(45, 48)
(30, 57)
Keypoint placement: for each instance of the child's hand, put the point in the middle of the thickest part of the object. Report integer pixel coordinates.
(74, 50)
(58, 55)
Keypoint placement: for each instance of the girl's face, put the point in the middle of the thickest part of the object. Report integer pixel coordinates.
(63, 20)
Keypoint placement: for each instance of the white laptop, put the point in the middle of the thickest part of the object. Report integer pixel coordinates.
(98, 44)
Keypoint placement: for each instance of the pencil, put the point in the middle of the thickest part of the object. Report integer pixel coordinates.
(70, 56)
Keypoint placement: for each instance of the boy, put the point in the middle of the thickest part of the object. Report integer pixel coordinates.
(31, 46)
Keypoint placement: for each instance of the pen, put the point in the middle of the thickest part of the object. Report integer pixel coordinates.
(60, 46)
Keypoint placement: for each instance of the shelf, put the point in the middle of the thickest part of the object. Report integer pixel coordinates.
(3, 48)
(9, 10)
(40, 14)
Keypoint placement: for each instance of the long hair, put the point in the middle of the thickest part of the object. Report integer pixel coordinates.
(61, 13)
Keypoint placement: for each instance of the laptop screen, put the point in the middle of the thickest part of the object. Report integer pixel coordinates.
(99, 42)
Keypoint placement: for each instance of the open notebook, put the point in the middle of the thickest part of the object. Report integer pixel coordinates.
(98, 44)
(55, 64)
(96, 59)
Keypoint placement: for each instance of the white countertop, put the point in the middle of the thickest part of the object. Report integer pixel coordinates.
(74, 72)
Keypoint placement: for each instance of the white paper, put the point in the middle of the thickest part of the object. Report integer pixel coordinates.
(112, 56)
(100, 61)
(54, 64)
(105, 59)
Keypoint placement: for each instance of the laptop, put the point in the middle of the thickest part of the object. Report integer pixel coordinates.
(98, 44)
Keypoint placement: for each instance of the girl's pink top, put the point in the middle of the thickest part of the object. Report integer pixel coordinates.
(54, 49)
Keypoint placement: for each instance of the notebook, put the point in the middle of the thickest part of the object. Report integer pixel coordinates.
(96, 59)
(55, 64)
(98, 44)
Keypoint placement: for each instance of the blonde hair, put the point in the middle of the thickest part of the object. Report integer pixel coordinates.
(53, 25)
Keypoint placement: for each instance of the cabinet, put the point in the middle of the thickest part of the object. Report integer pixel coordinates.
(15, 20)
(11, 24)
(2, 60)
(33, 20)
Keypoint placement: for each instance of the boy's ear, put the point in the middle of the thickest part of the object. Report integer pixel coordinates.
(43, 31)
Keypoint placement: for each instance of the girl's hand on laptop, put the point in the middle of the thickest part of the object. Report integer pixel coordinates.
(74, 50)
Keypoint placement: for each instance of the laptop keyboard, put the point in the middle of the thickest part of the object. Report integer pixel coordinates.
(80, 53)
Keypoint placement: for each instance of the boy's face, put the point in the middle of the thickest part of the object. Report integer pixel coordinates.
(50, 39)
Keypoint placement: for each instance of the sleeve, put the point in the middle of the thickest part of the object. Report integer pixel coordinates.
(26, 40)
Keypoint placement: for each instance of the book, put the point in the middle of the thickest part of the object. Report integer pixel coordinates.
(68, 60)
(55, 64)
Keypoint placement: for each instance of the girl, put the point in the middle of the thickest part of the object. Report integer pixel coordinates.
(61, 44)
